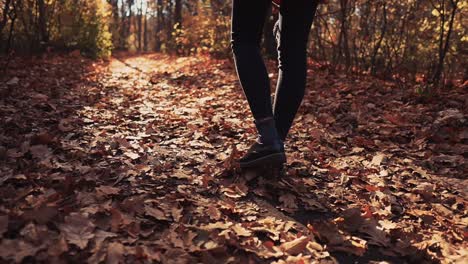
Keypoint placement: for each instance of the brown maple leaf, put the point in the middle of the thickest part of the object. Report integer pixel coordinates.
(78, 230)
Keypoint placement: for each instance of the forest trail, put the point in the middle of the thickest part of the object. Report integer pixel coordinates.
(134, 160)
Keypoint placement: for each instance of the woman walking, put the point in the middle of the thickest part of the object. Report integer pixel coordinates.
(272, 122)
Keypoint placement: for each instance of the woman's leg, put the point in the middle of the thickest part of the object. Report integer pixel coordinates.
(295, 20)
(248, 18)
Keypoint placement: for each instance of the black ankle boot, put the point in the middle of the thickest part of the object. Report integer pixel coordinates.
(268, 148)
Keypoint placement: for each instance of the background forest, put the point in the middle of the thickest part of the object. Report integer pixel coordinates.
(414, 40)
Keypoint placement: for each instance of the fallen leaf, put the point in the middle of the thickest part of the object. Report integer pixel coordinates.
(181, 174)
(13, 81)
(235, 190)
(78, 230)
(378, 159)
(353, 219)
(217, 225)
(115, 253)
(213, 212)
(65, 125)
(289, 201)
(132, 155)
(156, 213)
(295, 246)
(41, 215)
(123, 142)
(176, 213)
(108, 190)
(58, 247)
(17, 249)
(40, 151)
(241, 231)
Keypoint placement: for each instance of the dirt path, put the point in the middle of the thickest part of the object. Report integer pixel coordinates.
(139, 165)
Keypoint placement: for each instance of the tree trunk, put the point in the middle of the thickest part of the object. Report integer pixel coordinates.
(443, 48)
(42, 20)
(178, 13)
(343, 45)
(115, 27)
(320, 47)
(168, 21)
(6, 10)
(345, 35)
(178, 23)
(158, 25)
(139, 24)
(381, 38)
(145, 30)
(122, 35)
(12, 15)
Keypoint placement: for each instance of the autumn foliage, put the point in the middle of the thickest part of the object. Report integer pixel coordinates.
(408, 41)
(134, 161)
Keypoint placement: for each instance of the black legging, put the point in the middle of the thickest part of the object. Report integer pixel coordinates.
(295, 20)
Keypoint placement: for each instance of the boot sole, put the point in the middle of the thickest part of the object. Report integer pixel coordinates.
(276, 159)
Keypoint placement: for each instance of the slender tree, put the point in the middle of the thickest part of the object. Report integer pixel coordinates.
(444, 38)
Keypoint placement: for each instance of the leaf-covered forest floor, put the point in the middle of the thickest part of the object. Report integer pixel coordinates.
(133, 160)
